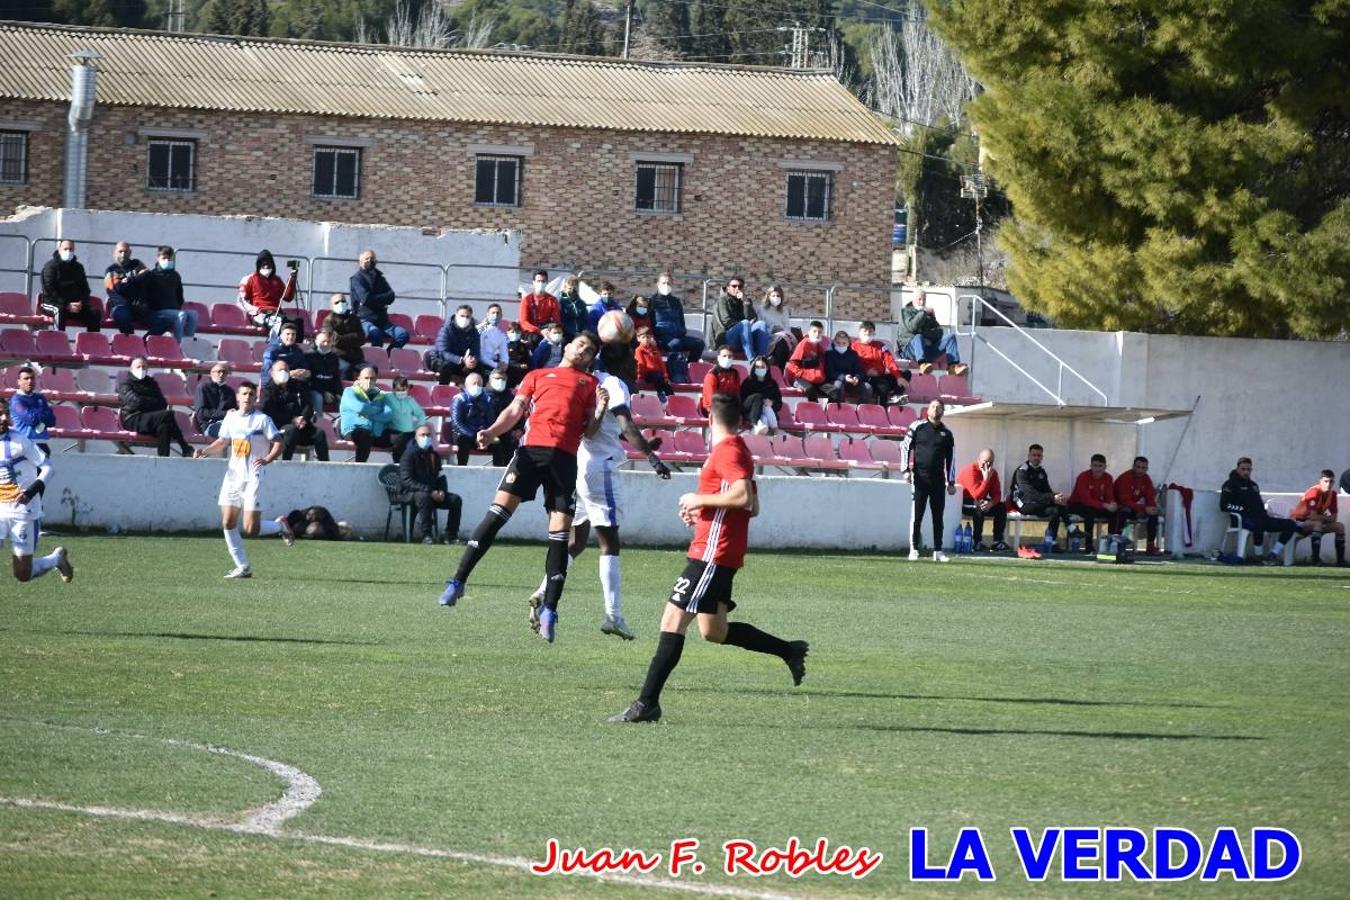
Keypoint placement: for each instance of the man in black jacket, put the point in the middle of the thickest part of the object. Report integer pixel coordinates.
(419, 473)
(1031, 494)
(1241, 495)
(932, 468)
(348, 334)
(65, 290)
(286, 403)
(325, 373)
(371, 294)
(144, 409)
(212, 400)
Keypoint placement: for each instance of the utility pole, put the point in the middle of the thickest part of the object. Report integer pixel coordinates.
(176, 16)
(975, 187)
(799, 53)
(627, 27)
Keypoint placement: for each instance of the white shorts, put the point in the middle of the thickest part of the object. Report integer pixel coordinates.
(241, 492)
(22, 535)
(599, 494)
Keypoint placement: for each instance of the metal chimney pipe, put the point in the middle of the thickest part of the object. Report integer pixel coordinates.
(83, 83)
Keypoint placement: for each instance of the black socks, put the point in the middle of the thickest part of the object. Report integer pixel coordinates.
(669, 647)
(555, 568)
(748, 637)
(481, 540)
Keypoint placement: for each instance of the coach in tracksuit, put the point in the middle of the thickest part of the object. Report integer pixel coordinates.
(932, 467)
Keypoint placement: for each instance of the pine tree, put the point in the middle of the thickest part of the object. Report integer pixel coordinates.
(243, 17)
(1179, 167)
(669, 24)
(580, 30)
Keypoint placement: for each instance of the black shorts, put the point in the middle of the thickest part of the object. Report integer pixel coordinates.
(535, 467)
(702, 587)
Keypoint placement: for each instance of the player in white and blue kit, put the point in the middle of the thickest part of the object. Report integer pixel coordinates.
(24, 470)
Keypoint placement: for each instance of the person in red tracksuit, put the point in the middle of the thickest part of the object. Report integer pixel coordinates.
(1316, 512)
(1093, 498)
(652, 371)
(537, 309)
(806, 367)
(983, 496)
(724, 378)
(1138, 500)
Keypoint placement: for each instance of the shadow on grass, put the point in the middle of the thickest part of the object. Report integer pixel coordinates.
(878, 695)
(1100, 735)
(247, 638)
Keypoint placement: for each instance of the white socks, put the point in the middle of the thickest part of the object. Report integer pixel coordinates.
(269, 527)
(609, 586)
(235, 542)
(43, 564)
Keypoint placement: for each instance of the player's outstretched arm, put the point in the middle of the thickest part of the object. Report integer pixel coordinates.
(213, 447)
(634, 436)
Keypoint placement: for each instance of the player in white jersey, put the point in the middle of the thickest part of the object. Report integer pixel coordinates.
(254, 442)
(24, 471)
(599, 494)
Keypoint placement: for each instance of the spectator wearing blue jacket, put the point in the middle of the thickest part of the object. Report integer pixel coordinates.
(287, 348)
(548, 354)
(458, 348)
(471, 412)
(681, 345)
(364, 414)
(606, 303)
(844, 376)
(405, 415)
(29, 412)
(372, 296)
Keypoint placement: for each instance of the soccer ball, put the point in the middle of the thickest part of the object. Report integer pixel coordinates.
(615, 327)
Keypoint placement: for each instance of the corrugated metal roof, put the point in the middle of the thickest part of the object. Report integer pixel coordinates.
(147, 68)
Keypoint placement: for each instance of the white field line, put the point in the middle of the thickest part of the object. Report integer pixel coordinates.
(302, 790)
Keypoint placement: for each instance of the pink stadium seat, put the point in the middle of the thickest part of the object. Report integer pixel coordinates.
(94, 383)
(53, 347)
(127, 346)
(68, 423)
(258, 349)
(422, 394)
(175, 388)
(902, 416)
(873, 417)
(17, 343)
(231, 319)
(810, 417)
(102, 421)
(59, 384)
(319, 316)
(855, 452)
(16, 309)
(788, 446)
(238, 353)
(646, 410)
(189, 431)
(759, 445)
(426, 327)
(164, 349)
(684, 409)
(698, 371)
(377, 357)
(818, 446)
(844, 416)
(692, 445)
(402, 320)
(94, 347)
(923, 388)
(443, 394)
(202, 310)
(887, 452)
(956, 389)
(409, 362)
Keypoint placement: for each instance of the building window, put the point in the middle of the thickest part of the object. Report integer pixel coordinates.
(337, 173)
(658, 187)
(13, 157)
(172, 166)
(808, 196)
(497, 180)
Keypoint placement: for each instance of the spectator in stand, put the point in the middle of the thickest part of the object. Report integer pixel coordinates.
(471, 412)
(325, 372)
(672, 336)
(778, 319)
(1032, 496)
(537, 309)
(212, 400)
(761, 400)
(348, 334)
(405, 415)
(288, 349)
(419, 475)
(457, 343)
(262, 291)
(923, 339)
(65, 290)
(605, 303)
(724, 378)
(1242, 496)
(573, 311)
(844, 372)
(285, 400)
(364, 414)
(1316, 512)
(372, 297)
(549, 353)
(736, 323)
(517, 354)
(492, 339)
(1093, 498)
(639, 309)
(1138, 500)
(806, 368)
(29, 412)
(123, 267)
(889, 382)
(932, 468)
(651, 365)
(144, 409)
(501, 396)
(155, 299)
(982, 497)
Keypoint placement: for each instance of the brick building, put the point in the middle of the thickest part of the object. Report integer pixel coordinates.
(599, 163)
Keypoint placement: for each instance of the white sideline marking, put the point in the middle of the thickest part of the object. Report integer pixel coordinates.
(302, 790)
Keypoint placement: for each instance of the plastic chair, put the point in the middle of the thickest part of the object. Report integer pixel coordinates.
(17, 309)
(698, 371)
(53, 346)
(18, 343)
(409, 362)
(810, 417)
(59, 383)
(377, 357)
(164, 348)
(844, 417)
(443, 395)
(95, 382)
(692, 444)
(684, 409)
(230, 318)
(923, 388)
(955, 388)
(902, 416)
(238, 353)
(399, 502)
(857, 455)
(404, 321)
(889, 454)
(68, 423)
(426, 327)
(646, 410)
(127, 346)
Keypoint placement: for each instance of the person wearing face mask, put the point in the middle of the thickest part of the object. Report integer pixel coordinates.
(572, 310)
(776, 316)
(500, 395)
(364, 414)
(537, 309)
(325, 372)
(888, 381)
(844, 373)
(262, 291)
(286, 401)
(736, 322)
(348, 335)
(640, 311)
(680, 344)
(607, 302)
(124, 266)
(405, 414)
(492, 342)
(457, 338)
(549, 353)
(518, 354)
(761, 400)
(652, 371)
(372, 297)
(144, 409)
(419, 476)
(471, 412)
(287, 348)
(212, 400)
(724, 378)
(155, 298)
(806, 368)
(65, 290)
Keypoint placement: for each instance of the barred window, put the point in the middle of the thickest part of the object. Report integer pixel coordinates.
(13, 157)
(497, 180)
(808, 196)
(172, 165)
(337, 173)
(658, 187)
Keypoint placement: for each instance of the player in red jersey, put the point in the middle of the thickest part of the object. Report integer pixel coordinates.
(720, 513)
(562, 404)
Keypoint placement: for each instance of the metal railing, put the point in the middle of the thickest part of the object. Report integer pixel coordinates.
(24, 271)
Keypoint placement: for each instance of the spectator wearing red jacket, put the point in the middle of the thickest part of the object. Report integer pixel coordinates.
(537, 309)
(806, 366)
(651, 364)
(261, 293)
(889, 382)
(1138, 500)
(1316, 512)
(724, 378)
(1093, 498)
(981, 493)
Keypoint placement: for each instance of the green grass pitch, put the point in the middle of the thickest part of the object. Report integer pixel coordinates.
(989, 694)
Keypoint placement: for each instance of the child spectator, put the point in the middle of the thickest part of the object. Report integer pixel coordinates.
(806, 368)
(888, 381)
(517, 354)
(844, 372)
(548, 354)
(651, 364)
(640, 311)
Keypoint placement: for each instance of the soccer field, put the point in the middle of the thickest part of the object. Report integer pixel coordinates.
(426, 751)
